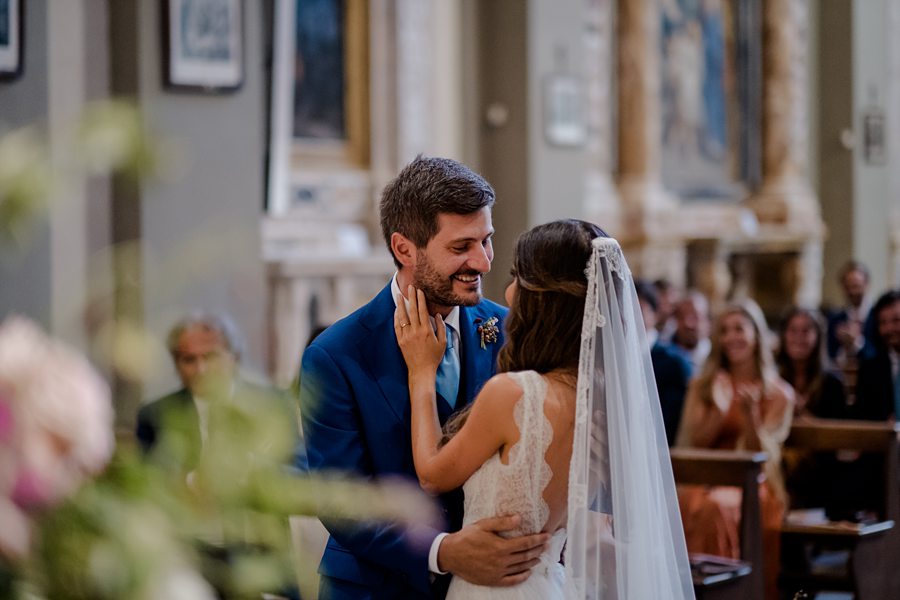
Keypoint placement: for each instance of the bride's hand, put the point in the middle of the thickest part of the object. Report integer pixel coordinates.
(422, 347)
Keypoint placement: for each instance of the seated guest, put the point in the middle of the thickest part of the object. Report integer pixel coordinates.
(174, 430)
(849, 326)
(691, 336)
(812, 480)
(671, 370)
(877, 399)
(737, 402)
(206, 350)
(819, 391)
(667, 296)
(877, 385)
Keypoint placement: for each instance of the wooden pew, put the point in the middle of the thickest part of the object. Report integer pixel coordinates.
(731, 468)
(872, 570)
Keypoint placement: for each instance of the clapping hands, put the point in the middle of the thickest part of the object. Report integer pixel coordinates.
(749, 395)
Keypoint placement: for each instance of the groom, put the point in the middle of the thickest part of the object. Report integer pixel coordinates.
(436, 220)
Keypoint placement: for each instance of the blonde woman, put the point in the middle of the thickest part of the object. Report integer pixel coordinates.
(738, 402)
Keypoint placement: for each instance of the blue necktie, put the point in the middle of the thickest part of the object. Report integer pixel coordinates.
(447, 384)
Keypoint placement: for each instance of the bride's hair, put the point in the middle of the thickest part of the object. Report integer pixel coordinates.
(543, 328)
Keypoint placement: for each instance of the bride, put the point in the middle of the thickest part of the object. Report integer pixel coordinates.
(569, 435)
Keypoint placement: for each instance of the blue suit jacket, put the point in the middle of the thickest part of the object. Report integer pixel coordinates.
(874, 388)
(672, 372)
(870, 332)
(356, 418)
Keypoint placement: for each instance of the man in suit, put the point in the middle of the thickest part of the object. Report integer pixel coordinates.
(206, 349)
(436, 221)
(691, 337)
(878, 380)
(671, 370)
(174, 430)
(849, 327)
(877, 399)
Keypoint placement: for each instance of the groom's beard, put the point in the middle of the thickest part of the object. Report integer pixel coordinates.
(438, 288)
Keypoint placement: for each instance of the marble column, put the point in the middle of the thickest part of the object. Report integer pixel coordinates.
(786, 196)
(602, 203)
(414, 75)
(893, 139)
(650, 234)
(401, 84)
(809, 272)
(709, 271)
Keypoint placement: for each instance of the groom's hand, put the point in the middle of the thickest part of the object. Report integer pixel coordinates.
(479, 555)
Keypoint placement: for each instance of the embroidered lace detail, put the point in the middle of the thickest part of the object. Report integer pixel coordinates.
(517, 487)
(609, 248)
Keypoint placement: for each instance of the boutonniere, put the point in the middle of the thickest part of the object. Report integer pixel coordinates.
(488, 331)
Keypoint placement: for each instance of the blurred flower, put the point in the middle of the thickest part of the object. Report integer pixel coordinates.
(25, 181)
(55, 425)
(180, 583)
(79, 521)
(111, 136)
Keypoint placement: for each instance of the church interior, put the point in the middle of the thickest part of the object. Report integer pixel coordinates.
(153, 164)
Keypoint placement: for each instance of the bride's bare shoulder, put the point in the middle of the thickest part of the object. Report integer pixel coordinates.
(500, 389)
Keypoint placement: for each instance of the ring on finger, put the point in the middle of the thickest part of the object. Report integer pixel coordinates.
(402, 325)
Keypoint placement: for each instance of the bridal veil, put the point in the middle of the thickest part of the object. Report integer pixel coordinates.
(625, 538)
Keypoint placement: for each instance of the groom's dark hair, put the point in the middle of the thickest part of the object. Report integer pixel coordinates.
(425, 188)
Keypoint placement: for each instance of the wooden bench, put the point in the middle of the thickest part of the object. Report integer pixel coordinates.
(712, 578)
(870, 570)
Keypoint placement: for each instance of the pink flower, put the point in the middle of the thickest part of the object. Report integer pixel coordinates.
(56, 419)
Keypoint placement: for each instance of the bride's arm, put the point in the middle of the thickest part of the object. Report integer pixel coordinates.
(484, 433)
(486, 429)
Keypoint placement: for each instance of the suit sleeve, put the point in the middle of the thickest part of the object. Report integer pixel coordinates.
(334, 438)
(145, 432)
(870, 391)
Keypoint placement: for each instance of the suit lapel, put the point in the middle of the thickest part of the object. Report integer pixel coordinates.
(381, 354)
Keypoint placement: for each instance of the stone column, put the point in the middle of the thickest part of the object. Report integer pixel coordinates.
(786, 196)
(66, 96)
(402, 73)
(709, 272)
(786, 200)
(602, 203)
(414, 75)
(893, 139)
(809, 271)
(649, 232)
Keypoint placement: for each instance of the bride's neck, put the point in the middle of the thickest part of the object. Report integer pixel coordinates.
(567, 377)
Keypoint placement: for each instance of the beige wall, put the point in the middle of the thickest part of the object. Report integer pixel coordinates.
(25, 278)
(199, 228)
(858, 199)
(871, 198)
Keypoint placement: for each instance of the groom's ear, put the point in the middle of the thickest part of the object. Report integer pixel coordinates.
(404, 249)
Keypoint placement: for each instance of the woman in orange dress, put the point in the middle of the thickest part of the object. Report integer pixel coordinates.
(738, 402)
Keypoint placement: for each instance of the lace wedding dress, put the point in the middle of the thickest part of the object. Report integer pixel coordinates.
(625, 540)
(518, 488)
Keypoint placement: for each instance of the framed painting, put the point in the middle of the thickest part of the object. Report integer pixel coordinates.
(320, 95)
(11, 35)
(711, 101)
(203, 45)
